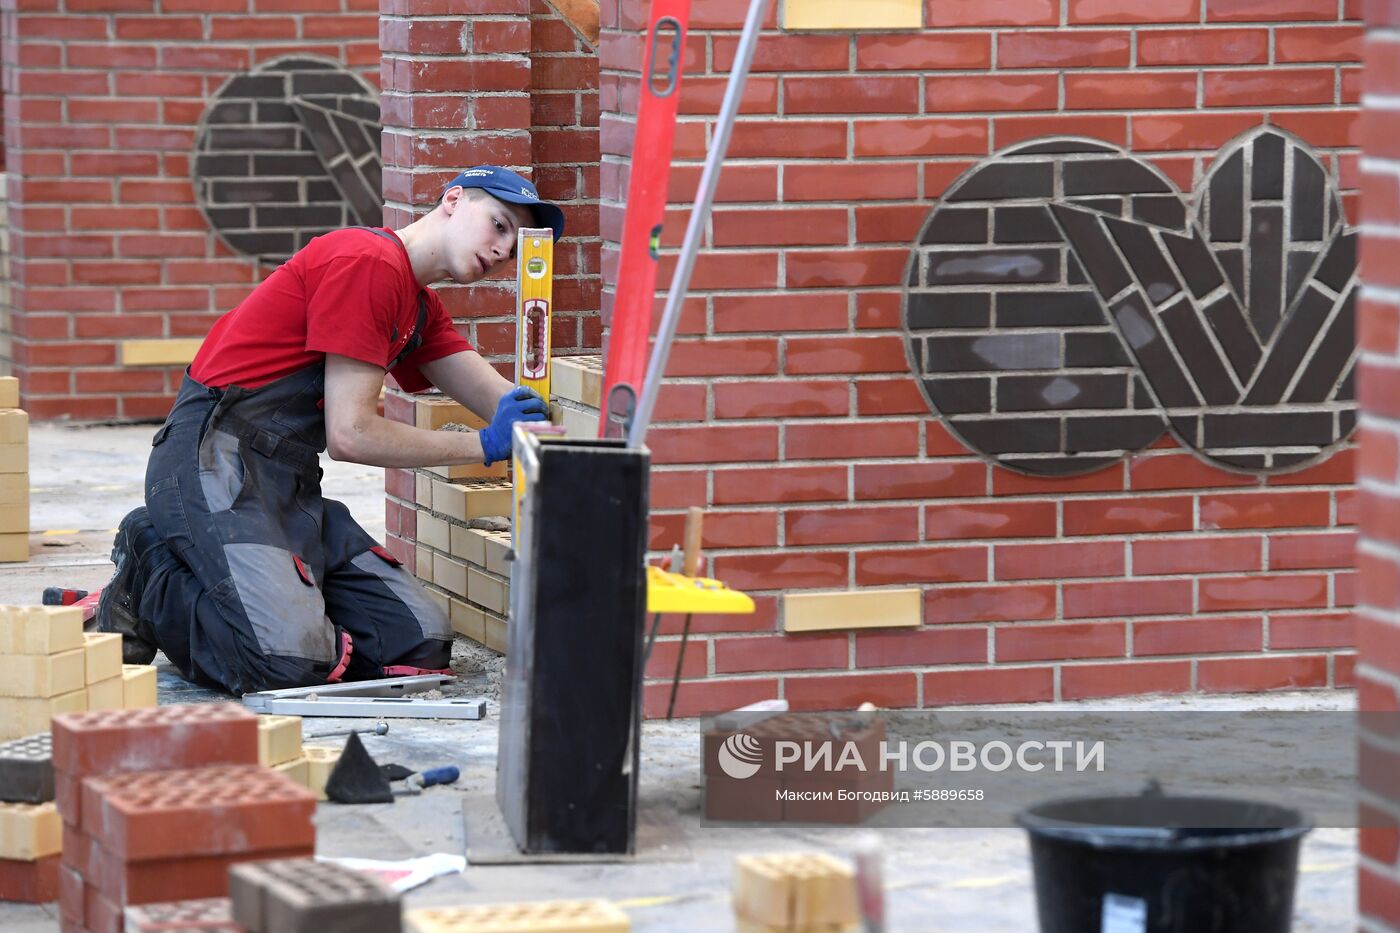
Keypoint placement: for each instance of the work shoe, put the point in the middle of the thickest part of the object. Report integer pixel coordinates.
(116, 607)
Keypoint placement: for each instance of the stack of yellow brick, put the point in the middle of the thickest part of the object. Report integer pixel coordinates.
(801, 892)
(280, 748)
(590, 916)
(49, 665)
(14, 474)
(576, 390)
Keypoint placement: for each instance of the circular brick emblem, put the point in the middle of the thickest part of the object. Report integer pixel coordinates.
(288, 152)
(1064, 308)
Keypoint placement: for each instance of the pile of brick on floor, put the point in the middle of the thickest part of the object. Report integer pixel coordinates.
(14, 474)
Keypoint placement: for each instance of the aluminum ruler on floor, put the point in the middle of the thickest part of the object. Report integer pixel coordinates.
(381, 699)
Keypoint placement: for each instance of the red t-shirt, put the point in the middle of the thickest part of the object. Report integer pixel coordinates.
(349, 292)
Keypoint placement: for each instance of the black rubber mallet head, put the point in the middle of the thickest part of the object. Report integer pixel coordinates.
(356, 778)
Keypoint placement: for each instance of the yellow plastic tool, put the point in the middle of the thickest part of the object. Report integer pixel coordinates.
(674, 592)
(534, 307)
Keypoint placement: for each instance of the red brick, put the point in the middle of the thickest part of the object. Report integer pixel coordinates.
(672, 489)
(1088, 681)
(705, 697)
(989, 520)
(1129, 90)
(924, 51)
(885, 223)
(734, 356)
(1324, 630)
(163, 737)
(1265, 591)
(995, 603)
(28, 882)
(788, 139)
(931, 480)
(775, 312)
(1071, 49)
(992, 13)
(1112, 599)
(1321, 128)
(789, 399)
(889, 397)
(921, 647)
(787, 570)
(1057, 642)
(1266, 673)
(1340, 468)
(721, 529)
(1194, 130)
(812, 226)
(713, 443)
(1204, 46)
(851, 526)
(847, 268)
(895, 181)
(1198, 636)
(1134, 11)
(1313, 551)
(847, 691)
(1265, 510)
(1059, 560)
(921, 565)
(1134, 515)
(780, 653)
(859, 94)
(780, 484)
(1181, 471)
(1263, 11)
(160, 880)
(1318, 43)
(995, 685)
(851, 440)
(1197, 555)
(1377, 641)
(1008, 483)
(1267, 87)
(661, 663)
(991, 92)
(916, 137)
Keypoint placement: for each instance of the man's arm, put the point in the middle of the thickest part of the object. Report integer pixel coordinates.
(356, 432)
(469, 380)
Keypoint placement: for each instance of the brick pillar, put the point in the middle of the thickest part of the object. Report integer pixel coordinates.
(1378, 613)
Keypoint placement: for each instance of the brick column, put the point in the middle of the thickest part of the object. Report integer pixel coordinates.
(1378, 613)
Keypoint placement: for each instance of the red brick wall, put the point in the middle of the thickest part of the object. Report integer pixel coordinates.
(507, 83)
(1378, 615)
(792, 414)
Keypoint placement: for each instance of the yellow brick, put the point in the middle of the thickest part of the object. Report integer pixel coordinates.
(30, 831)
(9, 392)
(469, 544)
(450, 574)
(138, 686)
(14, 489)
(486, 591)
(28, 715)
(493, 632)
(423, 563)
(472, 498)
(498, 470)
(814, 612)
(578, 423)
(432, 531)
(41, 675)
(14, 518)
(14, 458)
(40, 629)
(423, 490)
(14, 547)
(591, 916)
(842, 14)
(794, 890)
(104, 656)
(298, 769)
(172, 352)
(432, 413)
(468, 620)
(279, 739)
(578, 379)
(319, 762)
(450, 499)
(106, 694)
(14, 426)
(498, 545)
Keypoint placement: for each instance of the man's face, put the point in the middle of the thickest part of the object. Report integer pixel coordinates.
(480, 233)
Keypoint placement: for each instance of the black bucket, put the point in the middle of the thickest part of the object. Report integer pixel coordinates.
(1155, 863)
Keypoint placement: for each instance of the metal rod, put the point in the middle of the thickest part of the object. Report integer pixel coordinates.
(680, 660)
(699, 215)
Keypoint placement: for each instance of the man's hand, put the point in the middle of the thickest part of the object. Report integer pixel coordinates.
(519, 404)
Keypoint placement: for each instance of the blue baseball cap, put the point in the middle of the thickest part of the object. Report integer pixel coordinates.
(505, 185)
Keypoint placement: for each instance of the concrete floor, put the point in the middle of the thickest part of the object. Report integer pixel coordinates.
(85, 478)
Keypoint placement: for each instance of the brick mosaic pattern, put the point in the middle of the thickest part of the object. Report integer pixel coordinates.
(287, 152)
(1065, 309)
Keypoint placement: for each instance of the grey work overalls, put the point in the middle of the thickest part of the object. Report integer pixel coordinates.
(266, 582)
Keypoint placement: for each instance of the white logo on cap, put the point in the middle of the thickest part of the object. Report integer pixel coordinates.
(528, 193)
(477, 173)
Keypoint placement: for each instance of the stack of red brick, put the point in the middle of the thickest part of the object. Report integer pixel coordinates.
(158, 803)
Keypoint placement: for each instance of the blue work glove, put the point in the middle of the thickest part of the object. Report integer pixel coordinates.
(519, 404)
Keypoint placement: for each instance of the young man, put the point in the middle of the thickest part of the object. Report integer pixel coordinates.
(237, 568)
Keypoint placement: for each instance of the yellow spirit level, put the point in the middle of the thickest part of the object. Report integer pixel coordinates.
(534, 307)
